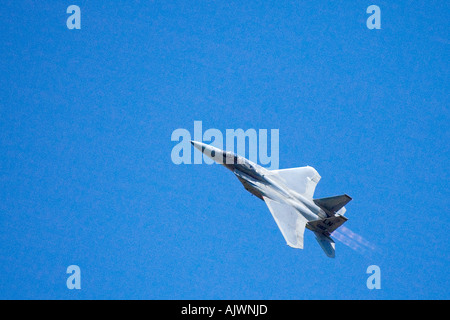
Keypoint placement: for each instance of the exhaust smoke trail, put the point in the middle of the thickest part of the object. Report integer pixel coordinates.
(353, 240)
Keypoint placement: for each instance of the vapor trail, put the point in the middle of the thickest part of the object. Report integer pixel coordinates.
(353, 240)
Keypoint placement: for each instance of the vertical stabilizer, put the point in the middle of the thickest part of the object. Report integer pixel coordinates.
(326, 243)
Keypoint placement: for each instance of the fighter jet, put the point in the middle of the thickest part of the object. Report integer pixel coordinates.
(289, 195)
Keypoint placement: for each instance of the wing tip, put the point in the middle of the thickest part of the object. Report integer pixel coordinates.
(295, 246)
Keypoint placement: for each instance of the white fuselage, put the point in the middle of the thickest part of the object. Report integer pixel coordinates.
(272, 187)
(262, 182)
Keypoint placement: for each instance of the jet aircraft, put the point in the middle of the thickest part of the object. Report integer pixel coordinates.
(289, 194)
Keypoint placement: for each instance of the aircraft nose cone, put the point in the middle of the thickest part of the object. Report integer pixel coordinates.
(227, 159)
(198, 145)
(210, 151)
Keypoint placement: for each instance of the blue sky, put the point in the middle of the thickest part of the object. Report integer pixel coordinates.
(86, 175)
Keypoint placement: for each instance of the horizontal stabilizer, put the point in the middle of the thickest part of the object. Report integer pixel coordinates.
(291, 223)
(326, 243)
(333, 204)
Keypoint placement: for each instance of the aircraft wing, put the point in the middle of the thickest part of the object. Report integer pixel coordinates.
(291, 223)
(302, 180)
